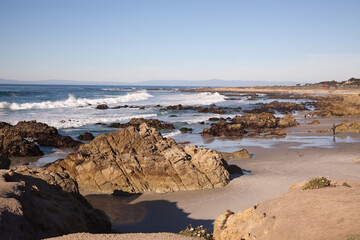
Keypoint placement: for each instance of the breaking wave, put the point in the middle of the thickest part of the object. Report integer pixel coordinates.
(72, 101)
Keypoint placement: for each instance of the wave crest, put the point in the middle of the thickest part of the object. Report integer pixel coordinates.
(72, 101)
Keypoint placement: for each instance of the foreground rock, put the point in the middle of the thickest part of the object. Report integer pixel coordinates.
(135, 122)
(239, 125)
(327, 213)
(139, 159)
(37, 204)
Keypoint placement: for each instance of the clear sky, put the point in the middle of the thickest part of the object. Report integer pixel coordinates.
(138, 40)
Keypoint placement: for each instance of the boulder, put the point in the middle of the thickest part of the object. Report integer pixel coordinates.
(86, 136)
(256, 121)
(38, 204)
(326, 213)
(139, 159)
(12, 144)
(315, 122)
(241, 154)
(287, 121)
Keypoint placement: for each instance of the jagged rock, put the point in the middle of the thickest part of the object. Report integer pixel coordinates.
(348, 127)
(37, 204)
(282, 107)
(135, 122)
(86, 136)
(102, 106)
(140, 159)
(4, 162)
(224, 129)
(327, 213)
(12, 144)
(211, 109)
(256, 121)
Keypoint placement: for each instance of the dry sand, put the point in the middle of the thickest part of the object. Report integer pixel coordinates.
(129, 236)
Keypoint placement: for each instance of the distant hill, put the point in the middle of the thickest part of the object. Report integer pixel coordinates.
(180, 83)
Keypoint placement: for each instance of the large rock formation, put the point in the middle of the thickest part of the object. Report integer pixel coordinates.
(249, 121)
(12, 144)
(327, 213)
(339, 106)
(36, 204)
(43, 134)
(140, 159)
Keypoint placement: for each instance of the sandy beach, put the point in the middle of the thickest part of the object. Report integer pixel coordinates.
(271, 172)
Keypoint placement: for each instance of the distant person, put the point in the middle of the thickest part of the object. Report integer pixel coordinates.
(333, 129)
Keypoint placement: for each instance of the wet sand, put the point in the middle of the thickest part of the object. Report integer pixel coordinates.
(272, 171)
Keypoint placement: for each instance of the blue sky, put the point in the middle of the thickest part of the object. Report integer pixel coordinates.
(134, 40)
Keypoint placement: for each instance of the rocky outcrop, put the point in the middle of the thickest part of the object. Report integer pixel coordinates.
(102, 106)
(282, 107)
(155, 123)
(348, 127)
(179, 107)
(4, 162)
(86, 136)
(12, 144)
(139, 159)
(37, 204)
(327, 213)
(338, 106)
(315, 122)
(249, 121)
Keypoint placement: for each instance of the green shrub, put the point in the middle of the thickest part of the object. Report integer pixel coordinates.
(197, 232)
(316, 183)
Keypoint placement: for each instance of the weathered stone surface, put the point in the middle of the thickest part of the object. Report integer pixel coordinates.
(348, 127)
(12, 144)
(256, 121)
(315, 122)
(327, 213)
(36, 204)
(155, 123)
(287, 121)
(86, 136)
(4, 162)
(140, 159)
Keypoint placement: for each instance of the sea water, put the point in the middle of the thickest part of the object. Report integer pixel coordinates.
(72, 110)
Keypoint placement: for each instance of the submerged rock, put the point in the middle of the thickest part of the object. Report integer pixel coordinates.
(37, 204)
(139, 159)
(102, 106)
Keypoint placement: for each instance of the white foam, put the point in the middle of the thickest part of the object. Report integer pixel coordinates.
(73, 123)
(171, 134)
(192, 99)
(77, 102)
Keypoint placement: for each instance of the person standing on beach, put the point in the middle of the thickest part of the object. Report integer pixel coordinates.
(333, 129)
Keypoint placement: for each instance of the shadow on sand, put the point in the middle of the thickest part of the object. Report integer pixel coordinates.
(146, 216)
